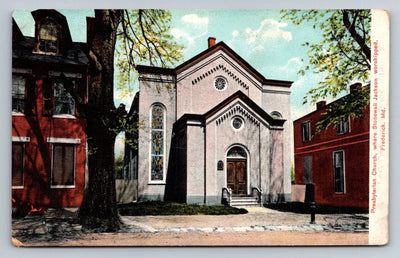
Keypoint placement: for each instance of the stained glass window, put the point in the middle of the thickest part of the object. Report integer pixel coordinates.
(157, 143)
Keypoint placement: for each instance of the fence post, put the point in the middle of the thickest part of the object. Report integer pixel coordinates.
(310, 200)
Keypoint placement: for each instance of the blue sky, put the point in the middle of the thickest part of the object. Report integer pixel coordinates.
(271, 45)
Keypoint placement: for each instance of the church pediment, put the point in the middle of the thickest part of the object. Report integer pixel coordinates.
(223, 50)
(240, 104)
(219, 60)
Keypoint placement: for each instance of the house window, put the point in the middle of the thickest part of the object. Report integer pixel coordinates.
(63, 169)
(305, 131)
(18, 93)
(157, 143)
(343, 126)
(63, 101)
(338, 171)
(48, 36)
(307, 168)
(17, 164)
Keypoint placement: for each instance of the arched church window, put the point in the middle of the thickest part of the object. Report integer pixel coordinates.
(48, 36)
(157, 143)
(237, 152)
(276, 114)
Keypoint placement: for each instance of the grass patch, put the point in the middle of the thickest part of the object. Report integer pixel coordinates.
(300, 207)
(171, 208)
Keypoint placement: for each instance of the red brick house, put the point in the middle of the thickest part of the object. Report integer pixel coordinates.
(336, 160)
(48, 132)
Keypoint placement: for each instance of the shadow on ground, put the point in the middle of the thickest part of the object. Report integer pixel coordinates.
(171, 208)
(304, 208)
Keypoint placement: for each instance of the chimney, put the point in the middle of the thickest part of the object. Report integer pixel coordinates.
(355, 87)
(321, 104)
(211, 42)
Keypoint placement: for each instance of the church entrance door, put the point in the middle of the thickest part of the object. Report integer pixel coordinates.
(237, 176)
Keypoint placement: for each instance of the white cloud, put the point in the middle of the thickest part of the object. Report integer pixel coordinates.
(235, 33)
(273, 30)
(178, 33)
(193, 28)
(292, 66)
(194, 19)
(269, 30)
(258, 48)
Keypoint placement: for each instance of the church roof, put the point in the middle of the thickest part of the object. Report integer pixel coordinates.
(206, 53)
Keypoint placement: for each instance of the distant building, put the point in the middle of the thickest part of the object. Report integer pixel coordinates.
(212, 123)
(336, 160)
(48, 132)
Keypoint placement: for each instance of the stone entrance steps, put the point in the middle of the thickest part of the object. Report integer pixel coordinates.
(245, 201)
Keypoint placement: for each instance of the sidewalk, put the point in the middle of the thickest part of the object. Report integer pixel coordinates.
(258, 219)
(55, 228)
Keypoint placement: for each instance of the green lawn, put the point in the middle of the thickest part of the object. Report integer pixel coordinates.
(170, 208)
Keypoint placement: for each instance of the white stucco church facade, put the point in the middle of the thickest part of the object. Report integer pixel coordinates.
(210, 126)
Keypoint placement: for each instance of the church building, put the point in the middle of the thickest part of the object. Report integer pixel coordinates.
(211, 129)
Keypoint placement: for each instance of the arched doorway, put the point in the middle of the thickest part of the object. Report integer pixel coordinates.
(236, 170)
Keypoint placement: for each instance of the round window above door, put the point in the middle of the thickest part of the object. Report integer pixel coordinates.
(237, 123)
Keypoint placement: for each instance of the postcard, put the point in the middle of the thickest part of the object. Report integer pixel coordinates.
(147, 127)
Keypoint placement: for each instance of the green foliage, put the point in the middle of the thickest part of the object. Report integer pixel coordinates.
(119, 166)
(170, 208)
(343, 55)
(143, 37)
(350, 106)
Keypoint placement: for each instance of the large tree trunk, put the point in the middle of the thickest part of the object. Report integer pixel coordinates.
(99, 208)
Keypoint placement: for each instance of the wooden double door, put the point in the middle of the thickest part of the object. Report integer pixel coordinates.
(237, 176)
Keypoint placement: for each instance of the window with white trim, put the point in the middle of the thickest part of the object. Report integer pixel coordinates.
(48, 36)
(343, 126)
(18, 155)
(157, 144)
(18, 93)
(338, 171)
(63, 166)
(64, 103)
(305, 131)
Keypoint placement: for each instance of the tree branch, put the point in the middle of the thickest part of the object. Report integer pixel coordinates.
(357, 37)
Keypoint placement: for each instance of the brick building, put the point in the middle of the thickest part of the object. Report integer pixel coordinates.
(48, 132)
(336, 160)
